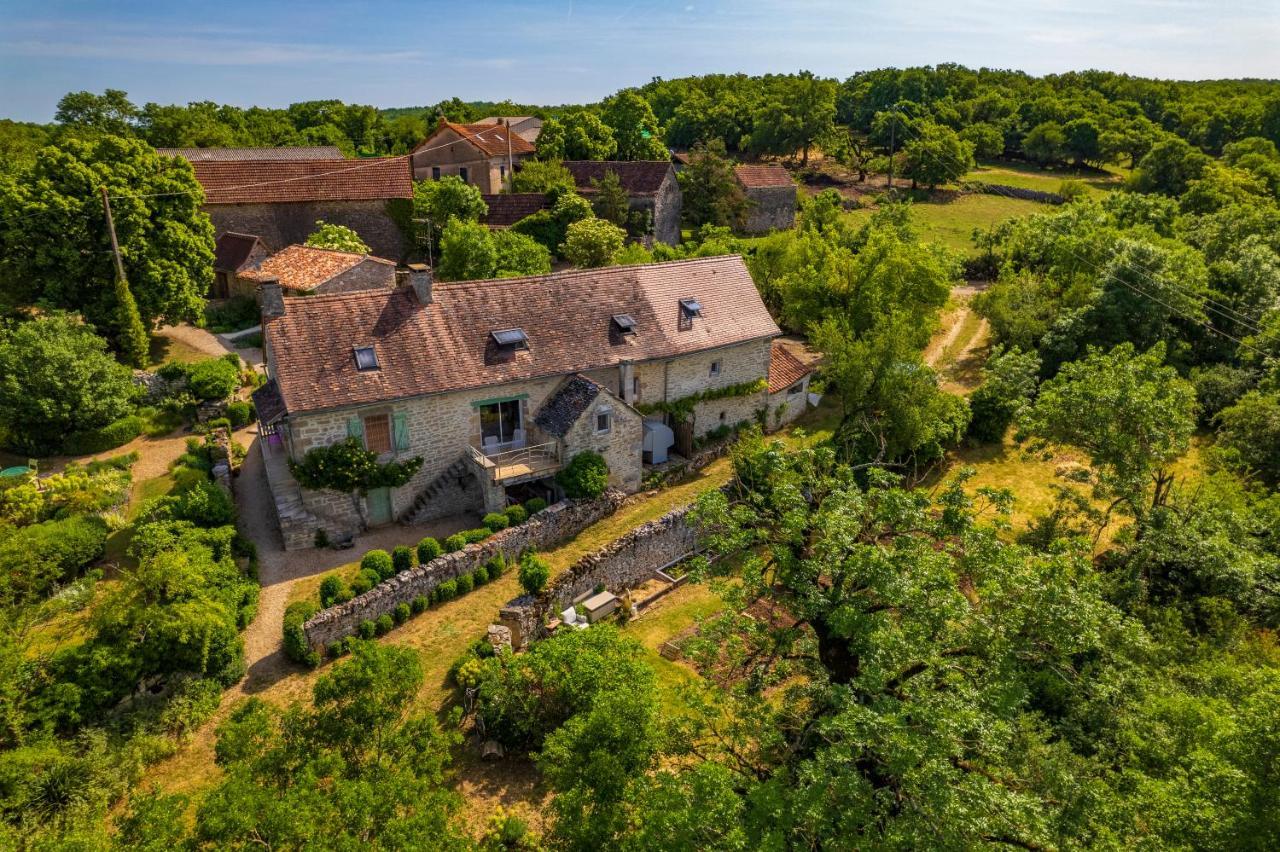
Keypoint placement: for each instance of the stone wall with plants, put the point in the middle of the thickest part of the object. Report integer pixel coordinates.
(546, 529)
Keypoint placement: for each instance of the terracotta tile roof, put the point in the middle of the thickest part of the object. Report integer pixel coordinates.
(762, 176)
(447, 345)
(638, 177)
(785, 369)
(499, 119)
(563, 408)
(506, 210)
(233, 251)
(302, 268)
(221, 155)
(265, 181)
(489, 138)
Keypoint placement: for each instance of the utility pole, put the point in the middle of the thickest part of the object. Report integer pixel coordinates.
(111, 229)
(511, 174)
(893, 125)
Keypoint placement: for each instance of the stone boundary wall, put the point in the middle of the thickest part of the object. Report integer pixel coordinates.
(551, 526)
(625, 563)
(1015, 192)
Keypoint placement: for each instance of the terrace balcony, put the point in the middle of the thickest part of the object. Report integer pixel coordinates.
(510, 466)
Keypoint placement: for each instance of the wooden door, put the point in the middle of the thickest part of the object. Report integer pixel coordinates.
(684, 438)
(379, 506)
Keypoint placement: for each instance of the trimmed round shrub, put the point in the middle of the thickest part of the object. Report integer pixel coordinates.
(384, 625)
(365, 581)
(454, 543)
(401, 613)
(419, 604)
(215, 378)
(465, 584)
(447, 591)
(402, 558)
(534, 505)
(114, 434)
(585, 477)
(496, 566)
(534, 573)
(331, 590)
(480, 576)
(477, 534)
(240, 413)
(367, 629)
(378, 561)
(295, 638)
(496, 522)
(206, 505)
(428, 549)
(516, 515)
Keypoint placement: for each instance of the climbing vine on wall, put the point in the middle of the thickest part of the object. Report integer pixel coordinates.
(347, 466)
(682, 409)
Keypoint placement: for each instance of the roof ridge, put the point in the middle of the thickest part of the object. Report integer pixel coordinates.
(571, 273)
(344, 252)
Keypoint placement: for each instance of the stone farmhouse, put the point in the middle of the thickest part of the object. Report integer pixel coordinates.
(650, 185)
(219, 155)
(306, 271)
(280, 201)
(526, 127)
(772, 194)
(483, 155)
(498, 384)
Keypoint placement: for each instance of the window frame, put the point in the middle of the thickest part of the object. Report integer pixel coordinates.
(605, 414)
(716, 368)
(435, 173)
(465, 174)
(380, 425)
(366, 367)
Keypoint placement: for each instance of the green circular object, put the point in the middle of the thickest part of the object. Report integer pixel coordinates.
(20, 470)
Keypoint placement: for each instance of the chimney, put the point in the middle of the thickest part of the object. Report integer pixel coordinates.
(271, 297)
(420, 281)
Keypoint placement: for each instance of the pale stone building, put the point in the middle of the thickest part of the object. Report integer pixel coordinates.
(483, 155)
(772, 195)
(311, 271)
(496, 385)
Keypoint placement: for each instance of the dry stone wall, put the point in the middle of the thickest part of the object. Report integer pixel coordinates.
(550, 527)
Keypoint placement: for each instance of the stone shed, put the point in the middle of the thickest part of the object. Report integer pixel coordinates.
(307, 270)
(651, 186)
(772, 194)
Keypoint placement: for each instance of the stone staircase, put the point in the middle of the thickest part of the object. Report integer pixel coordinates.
(297, 525)
(422, 503)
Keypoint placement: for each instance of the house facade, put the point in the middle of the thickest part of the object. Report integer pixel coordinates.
(483, 155)
(527, 127)
(496, 385)
(651, 187)
(280, 201)
(772, 195)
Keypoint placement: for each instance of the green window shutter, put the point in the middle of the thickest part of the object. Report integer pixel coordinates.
(355, 428)
(400, 430)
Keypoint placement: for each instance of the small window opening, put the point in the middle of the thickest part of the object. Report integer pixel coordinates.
(511, 338)
(715, 368)
(366, 358)
(625, 323)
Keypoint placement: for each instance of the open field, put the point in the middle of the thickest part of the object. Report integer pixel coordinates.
(1028, 176)
(952, 222)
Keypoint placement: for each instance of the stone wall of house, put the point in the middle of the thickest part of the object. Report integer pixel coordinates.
(545, 530)
(773, 208)
(666, 211)
(366, 275)
(745, 362)
(283, 224)
(625, 563)
(621, 446)
(785, 407)
(487, 173)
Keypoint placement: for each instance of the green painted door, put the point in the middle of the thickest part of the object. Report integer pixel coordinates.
(379, 503)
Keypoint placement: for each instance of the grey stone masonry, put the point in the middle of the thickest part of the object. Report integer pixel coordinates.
(624, 563)
(546, 529)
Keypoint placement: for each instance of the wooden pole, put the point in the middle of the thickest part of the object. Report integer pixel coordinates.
(111, 229)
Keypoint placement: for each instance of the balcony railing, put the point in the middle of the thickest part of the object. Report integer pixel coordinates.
(523, 461)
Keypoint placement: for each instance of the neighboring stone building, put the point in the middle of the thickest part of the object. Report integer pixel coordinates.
(280, 201)
(506, 210)
(526, 127)
(650, 185)
(772, 194)
(788, 386)
(307, 271)
(481, 154)
(498, 384)
(219, 155)
(233, 254)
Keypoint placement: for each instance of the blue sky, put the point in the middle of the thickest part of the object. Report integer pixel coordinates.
(413, 53)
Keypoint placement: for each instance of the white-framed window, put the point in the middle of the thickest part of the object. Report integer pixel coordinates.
(715, 368)
(604, 420)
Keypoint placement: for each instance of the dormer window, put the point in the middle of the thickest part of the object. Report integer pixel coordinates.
(689, 308)
(624, 323)
(366, 358)
(511, 339)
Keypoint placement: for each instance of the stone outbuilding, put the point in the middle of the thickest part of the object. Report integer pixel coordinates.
(788, 386)
(483, 155)
(233, 254)
(507, 209)
(772, 194)
(280, 201)
(650, 185)
(527, 127)
(307, 271)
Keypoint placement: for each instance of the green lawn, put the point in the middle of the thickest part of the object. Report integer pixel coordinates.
(1047, 180)
(952, 222)
(166, 349)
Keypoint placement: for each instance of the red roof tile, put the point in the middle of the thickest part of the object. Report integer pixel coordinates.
(506, 210)
(638, 177)
(261, 181)
(491, 139)
(446, 345)
(785, 369)
(762, 176)
(199, 155)
(304, 268)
